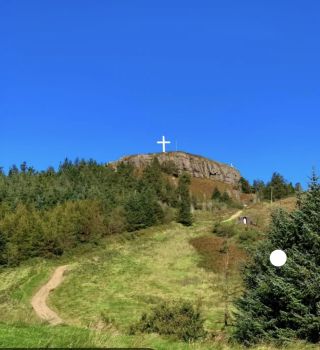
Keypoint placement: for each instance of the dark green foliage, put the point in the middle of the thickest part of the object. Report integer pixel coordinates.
(142, 210)
(216, 195)
(244, 185)
(225, 198)
(279, 187)
(28, 232)
(178, 319)
(225, 229)
(153, 179)
(46, 213)
(276, 188)
(184, 214)
(284, 303)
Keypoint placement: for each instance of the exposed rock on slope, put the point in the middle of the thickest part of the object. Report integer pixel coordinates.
(196, 166)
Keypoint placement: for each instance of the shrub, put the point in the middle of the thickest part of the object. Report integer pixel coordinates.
(116, 221)
(225, 230)
(170, 167)
(179, 319)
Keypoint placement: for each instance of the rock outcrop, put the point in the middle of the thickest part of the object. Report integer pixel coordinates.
(196, 166)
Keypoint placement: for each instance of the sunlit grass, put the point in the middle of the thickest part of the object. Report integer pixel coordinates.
(118, 280)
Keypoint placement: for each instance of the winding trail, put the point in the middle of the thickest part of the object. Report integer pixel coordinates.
(39, 300)
(234, 216)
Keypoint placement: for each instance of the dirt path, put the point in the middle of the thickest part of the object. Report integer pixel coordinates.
(38, 301)
(234, 216)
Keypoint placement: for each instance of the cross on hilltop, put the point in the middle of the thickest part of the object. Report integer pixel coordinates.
(164, 143)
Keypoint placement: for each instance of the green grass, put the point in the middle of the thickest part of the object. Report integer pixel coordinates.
(30, 336)
(129, 277)
(17, 287)
(110, 285)
(44, 336)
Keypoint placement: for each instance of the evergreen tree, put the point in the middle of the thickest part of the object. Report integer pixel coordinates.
(278, 187)
(284, 303)
(244, 185)
(184, 214)
(47, 213)
(142, 210)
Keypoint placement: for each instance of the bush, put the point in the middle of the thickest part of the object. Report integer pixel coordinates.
(225, 229)
(169, 167)
(248, 236)
(116, 221)
(179, 319)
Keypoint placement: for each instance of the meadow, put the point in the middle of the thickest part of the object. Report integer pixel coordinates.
(108, 287)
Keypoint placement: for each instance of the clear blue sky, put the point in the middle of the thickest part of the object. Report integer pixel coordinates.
(236, 81)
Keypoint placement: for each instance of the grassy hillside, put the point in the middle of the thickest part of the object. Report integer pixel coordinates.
(260, 213)
(110, 285)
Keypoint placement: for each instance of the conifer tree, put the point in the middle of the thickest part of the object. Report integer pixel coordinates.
(244, 185)
(282, 303)
(184, 214)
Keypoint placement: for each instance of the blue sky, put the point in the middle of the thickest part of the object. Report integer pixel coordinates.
(236, 81)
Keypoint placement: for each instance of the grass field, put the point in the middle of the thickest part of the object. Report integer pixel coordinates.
(110, 285)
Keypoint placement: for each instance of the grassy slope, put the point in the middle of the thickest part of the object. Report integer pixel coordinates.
(260, 212)
(120, 279)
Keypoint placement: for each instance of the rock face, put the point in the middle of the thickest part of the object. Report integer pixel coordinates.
(196, 166)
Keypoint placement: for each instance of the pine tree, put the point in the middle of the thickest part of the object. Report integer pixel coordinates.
(284, 303)
(184, 214)
(244, 185)
(142, 210)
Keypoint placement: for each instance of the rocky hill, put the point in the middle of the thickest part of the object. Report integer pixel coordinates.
(196, 166)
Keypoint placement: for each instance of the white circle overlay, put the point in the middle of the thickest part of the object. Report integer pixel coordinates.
(278, 258)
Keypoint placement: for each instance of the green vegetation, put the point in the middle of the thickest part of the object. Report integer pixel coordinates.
(178, 319)
(112, 284)
(244, 185)
(48, 213)
(184, 214)
(246, 236)
(223, 199)
(284, 303)
(134, 270)
(277, 188)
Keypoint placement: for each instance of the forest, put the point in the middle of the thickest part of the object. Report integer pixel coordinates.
(49, 212)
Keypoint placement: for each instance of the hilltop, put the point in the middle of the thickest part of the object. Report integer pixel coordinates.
(206, 174)
(179, 162)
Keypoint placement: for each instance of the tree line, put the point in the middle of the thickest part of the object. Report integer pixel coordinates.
(277, 188)
(45, 213)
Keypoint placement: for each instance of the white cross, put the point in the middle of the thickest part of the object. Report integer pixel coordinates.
(164, 143)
